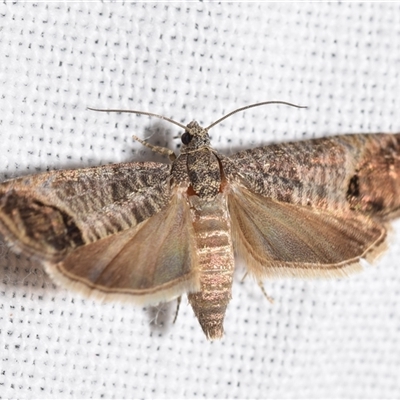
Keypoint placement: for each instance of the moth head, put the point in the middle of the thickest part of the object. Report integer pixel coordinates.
(195, 137)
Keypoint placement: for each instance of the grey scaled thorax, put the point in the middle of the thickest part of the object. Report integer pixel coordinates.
(197, 166)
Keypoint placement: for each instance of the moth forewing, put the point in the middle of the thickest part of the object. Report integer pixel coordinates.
(151, 232)
(54, 212)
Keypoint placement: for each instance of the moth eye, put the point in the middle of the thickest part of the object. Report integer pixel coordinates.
(186, 138)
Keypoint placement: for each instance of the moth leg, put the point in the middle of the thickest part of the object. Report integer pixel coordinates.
(156, 312)
(244, 277)
(269, 298)
(178, 303)
(157, 149)
(259, 283)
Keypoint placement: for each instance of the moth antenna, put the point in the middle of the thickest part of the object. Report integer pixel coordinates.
(251, 106)
(142, 113)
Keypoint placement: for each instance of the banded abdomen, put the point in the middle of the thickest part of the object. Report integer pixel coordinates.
(216, 263)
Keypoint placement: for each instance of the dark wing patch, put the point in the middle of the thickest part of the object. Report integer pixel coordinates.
(53, 213)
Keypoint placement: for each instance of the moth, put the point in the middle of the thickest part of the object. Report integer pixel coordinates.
(151, 232)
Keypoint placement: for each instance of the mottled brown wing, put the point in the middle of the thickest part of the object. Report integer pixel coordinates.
(316, 206)
(282, 239)
(115, 230)
(358, 172)
(50, 214)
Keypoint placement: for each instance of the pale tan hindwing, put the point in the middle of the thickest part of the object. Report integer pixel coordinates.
(212, 229)
(155, 261)
(281, 239)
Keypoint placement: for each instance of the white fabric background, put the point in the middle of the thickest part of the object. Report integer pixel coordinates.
(322, 338)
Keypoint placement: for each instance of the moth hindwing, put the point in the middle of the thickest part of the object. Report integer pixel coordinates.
(152, 232)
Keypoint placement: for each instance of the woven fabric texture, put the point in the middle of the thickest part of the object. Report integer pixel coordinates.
(336, 338)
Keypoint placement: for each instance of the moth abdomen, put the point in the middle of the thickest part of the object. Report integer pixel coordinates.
(215, 263)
